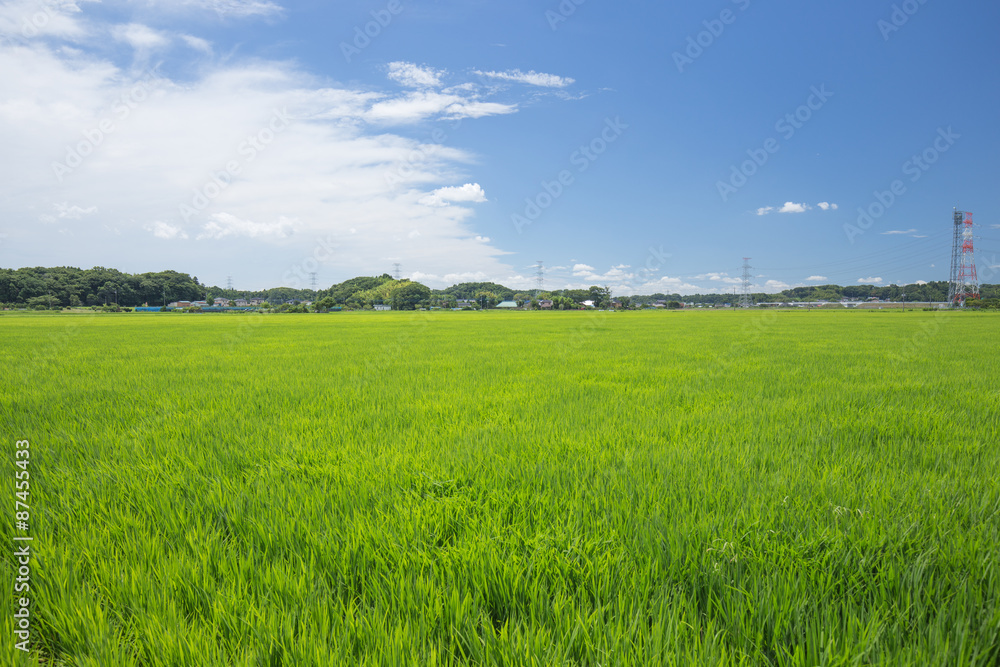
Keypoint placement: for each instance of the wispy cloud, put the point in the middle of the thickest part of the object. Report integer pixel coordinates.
(531, 78)
(872, 280)
(140, 37)
(198, 44)
(816, 278)
(222, 225)
(898, 231)
(237, 8)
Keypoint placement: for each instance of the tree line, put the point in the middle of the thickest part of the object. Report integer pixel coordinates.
(65, 287)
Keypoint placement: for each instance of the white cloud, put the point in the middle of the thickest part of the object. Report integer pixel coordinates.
(66, 212)
(470, 193)
(420, 105)
(327, 170)
(920, 282)
(663, 285)
(582, 270)
(532, 78)
(718, 277)
(163, 230)
(198, 44)
(775, 286)
(414, 76)
(816, 278)
(897, 231)
(473, 109)
(222, 225)
(792, 207)
(237, 8)
(26, 19)
(140, 37)
(870, 280)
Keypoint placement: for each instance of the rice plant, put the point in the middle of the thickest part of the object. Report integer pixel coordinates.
(711, 488)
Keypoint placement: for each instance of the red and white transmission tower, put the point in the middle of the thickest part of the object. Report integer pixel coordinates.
(963, 283)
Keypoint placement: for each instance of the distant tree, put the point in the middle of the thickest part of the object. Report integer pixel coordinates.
(324, 304)
(487, 299)
(409, 295)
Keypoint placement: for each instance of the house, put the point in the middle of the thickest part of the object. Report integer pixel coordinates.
(179, 304)
(382, 306)
(507, 304)
(199, 304)
(465, 303)
(257, 301)
(545, 304)
(241, 303)
(222, 302)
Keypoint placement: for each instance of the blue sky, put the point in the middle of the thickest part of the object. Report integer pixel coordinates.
(645, 146)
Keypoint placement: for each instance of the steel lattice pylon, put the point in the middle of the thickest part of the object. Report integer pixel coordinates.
(745, 300)
(963, 283)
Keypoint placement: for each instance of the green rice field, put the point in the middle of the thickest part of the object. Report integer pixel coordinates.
(526, 488)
